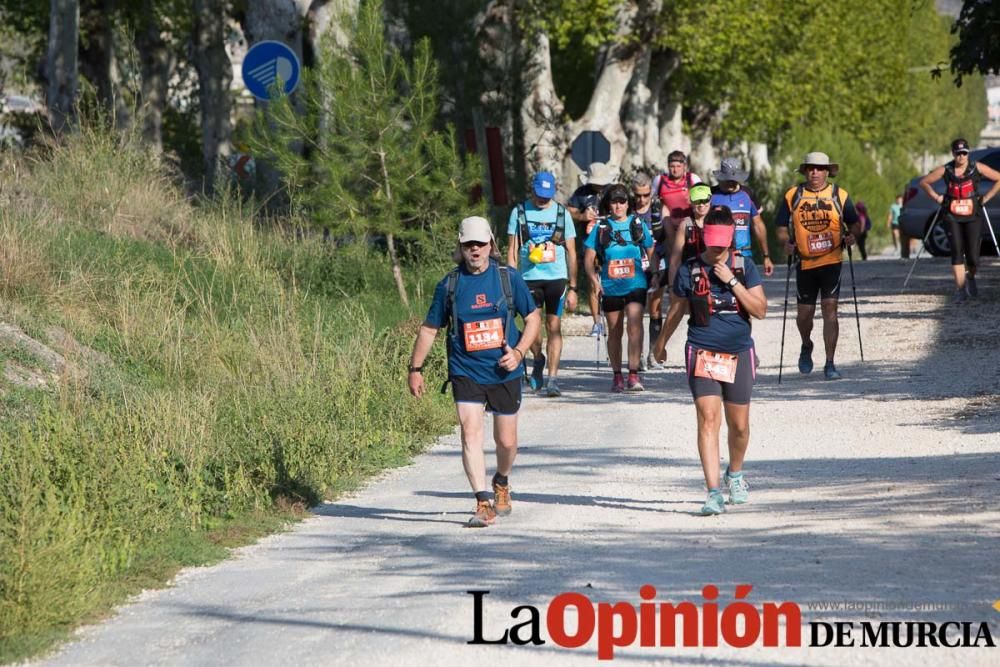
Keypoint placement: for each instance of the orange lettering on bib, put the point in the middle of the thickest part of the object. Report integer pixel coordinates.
(820, 243)
(483, 335)
(717, 366)
(962, 207)
(621, 269)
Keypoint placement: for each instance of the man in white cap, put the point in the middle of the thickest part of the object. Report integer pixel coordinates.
(478, 301)
(823, 220)
(583, 206)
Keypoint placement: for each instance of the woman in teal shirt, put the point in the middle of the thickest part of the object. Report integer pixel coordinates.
(618, 244)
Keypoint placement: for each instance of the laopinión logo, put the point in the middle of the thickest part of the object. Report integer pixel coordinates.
(705, 623)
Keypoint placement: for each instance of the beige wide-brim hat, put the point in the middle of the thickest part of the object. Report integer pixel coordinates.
(818, 159)
(598, 173)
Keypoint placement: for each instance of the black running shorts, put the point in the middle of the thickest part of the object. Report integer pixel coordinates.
(823, 282)
(549, 293)
(613, 304)
(501, 399)
(737, 391)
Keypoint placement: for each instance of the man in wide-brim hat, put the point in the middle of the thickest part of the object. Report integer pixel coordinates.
(815, 221)
(583, 206)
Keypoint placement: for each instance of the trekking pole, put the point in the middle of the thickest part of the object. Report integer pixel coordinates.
(857, 316)
(921, 248)
(989, 226)
(784, 317)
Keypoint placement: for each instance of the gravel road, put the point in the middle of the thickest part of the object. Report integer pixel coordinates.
(882, 489)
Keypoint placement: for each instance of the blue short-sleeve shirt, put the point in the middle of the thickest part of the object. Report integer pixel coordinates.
(541, 225)
(479, 297)
(744, 211)
(620, 256)
(727, 331)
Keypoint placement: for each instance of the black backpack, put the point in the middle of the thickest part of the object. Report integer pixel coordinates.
(606, 235)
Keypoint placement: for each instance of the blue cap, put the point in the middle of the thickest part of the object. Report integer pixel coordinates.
(544, 185)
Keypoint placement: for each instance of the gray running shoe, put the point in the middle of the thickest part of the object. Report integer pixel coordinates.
(961, 296)
(830, 371)
(805, 358)
(552, 389)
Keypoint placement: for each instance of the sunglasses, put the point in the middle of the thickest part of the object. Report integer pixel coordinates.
(642, 195)
(701, 202)
(816, 167)
(956, 153)
(619, 200)
(470, 245)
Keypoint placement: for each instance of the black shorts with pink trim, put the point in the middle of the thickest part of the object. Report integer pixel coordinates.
(738, 391)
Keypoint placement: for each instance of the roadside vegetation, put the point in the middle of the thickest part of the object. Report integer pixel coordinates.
(177, 379)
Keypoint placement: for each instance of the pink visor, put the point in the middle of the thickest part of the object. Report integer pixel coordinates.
(718, 236)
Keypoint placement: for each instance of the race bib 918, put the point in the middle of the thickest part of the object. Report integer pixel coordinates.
(621, 269)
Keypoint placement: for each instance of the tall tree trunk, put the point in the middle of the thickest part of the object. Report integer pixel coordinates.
(61, 62)
(282, 21)
(390, 239)
(641, 116)
(98, 63)
(214, 76)
(154, 64)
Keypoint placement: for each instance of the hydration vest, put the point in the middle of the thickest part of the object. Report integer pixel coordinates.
(674, 195)
(606, 235)
(817, 230)
(693, 245)
(961, 187)
(558, 234)
(700, 301)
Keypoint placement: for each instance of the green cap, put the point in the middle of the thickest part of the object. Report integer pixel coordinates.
(699, 192)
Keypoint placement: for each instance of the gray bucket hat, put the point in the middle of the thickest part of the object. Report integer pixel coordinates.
(598, 173)
(730, 170)
(818, 159)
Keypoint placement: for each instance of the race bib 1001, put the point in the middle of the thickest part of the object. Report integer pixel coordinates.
(718, 366)
(483, 335)
(818, 244)
(621, 269)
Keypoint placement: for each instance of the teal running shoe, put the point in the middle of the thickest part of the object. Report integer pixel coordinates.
(739, 490)
(714, 504)
(537, 373)
(830, 371)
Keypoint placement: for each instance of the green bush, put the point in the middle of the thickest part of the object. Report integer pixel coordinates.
(228, 373)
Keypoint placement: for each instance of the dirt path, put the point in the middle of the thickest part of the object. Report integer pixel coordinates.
(882, 488)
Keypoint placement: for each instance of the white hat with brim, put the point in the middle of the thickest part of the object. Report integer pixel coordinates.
(598, 173)
(818, 159)
(475, 228)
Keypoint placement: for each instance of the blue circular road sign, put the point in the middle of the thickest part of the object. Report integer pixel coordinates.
(265, 63)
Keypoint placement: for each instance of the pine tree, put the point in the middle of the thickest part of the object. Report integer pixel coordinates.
(358, 148)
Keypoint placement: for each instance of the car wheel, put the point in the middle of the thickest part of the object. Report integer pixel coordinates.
(938, 241)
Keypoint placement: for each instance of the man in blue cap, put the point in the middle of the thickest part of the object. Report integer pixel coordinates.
(541, 248)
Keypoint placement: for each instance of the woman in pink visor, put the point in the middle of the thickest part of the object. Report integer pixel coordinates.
(723, 293)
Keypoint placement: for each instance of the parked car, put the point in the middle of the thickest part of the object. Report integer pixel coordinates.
(919, 209)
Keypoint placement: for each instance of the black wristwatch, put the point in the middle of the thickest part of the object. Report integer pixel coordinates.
(732, 282)
(416, 369)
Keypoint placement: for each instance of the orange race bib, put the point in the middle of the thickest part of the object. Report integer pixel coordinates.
(621, 269)
(717, 366)
(961, 207)
(483, 335)
(818, 244)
